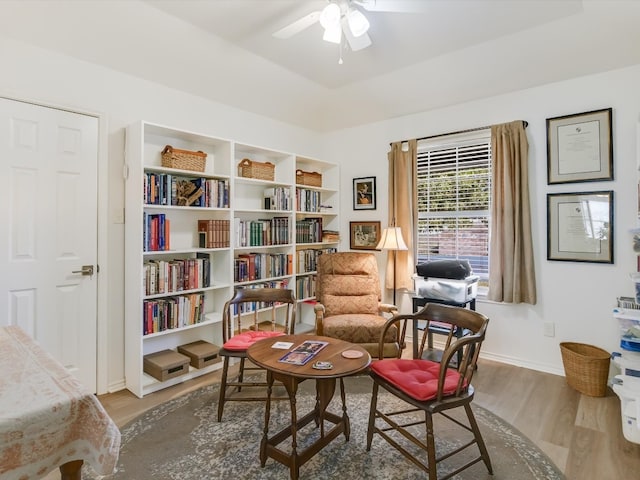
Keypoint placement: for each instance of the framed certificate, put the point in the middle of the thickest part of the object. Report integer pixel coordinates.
(580, 147)
(580, 227)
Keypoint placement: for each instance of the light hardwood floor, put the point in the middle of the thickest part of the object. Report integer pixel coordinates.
(581, 434)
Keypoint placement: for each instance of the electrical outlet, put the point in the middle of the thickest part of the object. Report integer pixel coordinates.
(549, 329)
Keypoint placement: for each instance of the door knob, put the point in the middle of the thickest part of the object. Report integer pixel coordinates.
(86, 270)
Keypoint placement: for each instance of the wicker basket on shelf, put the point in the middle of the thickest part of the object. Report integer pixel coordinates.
(310, 179)
(586, 368)
(183, 159)
(260, 171)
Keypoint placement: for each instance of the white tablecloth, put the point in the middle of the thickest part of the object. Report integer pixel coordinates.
(47, 418)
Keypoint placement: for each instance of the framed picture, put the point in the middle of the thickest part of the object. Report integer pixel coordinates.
(580, 227)
(364, 193)
(364, 235)
(580, 147)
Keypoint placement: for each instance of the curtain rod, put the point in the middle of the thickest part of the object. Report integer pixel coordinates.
(468, 130)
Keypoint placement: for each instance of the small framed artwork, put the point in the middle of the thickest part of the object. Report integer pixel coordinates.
(364, 193)
(580, 227)
(580, 147)
(364, 235)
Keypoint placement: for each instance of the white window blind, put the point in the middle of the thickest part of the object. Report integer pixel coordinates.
(454, 194)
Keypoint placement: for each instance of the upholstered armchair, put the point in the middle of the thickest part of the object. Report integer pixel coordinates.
(349, 304)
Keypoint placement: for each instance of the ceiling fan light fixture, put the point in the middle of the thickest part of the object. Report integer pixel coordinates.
(358, 23)
(330, 16)
(333, 34)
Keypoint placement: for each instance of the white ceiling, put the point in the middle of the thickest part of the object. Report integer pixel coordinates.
(456, 51)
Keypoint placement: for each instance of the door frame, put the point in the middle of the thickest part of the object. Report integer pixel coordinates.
(102, 336)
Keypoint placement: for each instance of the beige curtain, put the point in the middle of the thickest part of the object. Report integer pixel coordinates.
(511, 271)
(402, 210)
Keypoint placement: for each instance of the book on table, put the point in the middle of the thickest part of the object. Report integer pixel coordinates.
(304, 352)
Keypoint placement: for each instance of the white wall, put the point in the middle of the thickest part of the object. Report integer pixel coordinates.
(42, 76)
(577, 297)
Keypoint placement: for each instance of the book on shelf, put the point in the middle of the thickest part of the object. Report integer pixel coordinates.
(216, 233)
(168, 189)
(304, 352)
(156, 231)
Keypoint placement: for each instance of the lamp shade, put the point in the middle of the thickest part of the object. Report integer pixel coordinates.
(392, 240)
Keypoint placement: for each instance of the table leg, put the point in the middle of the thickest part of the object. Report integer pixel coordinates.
(325, 388)
(267, 416)
(71, 470)
(345, 417)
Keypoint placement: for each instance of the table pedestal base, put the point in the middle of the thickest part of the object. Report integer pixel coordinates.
(325, 388)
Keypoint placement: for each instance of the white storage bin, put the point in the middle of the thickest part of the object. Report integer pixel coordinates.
(630, 409)
(447, 289)
(629, 325)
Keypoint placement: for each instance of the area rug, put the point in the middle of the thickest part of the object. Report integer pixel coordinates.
(181, 439)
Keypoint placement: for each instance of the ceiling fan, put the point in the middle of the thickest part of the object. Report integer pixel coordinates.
(345, 17)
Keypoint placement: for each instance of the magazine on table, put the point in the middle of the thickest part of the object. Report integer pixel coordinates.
(303, 352)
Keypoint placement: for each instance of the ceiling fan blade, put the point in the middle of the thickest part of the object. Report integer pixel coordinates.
(355, 43)
(297, 26)
(398, 6)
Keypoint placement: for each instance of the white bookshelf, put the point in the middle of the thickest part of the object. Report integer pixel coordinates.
(145, 142)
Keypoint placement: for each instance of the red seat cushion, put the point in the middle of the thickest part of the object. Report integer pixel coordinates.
(242, 341)
(416, 378)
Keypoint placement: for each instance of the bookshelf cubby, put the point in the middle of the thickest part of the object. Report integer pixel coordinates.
(183, 257)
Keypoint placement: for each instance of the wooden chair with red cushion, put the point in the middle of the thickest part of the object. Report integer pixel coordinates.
(428, 388)
(251, 315)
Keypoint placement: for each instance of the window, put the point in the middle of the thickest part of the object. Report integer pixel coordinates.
(454, 195)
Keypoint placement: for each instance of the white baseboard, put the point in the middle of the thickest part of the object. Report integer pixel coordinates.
(116, 386)
(516, 362)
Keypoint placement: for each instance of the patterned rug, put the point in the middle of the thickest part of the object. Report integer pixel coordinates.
(181, 439)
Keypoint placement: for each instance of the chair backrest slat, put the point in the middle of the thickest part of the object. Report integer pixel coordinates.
(261, 300)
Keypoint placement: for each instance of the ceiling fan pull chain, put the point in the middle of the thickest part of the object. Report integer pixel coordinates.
(340, 62)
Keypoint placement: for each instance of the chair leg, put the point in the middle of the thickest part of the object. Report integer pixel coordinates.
(223, 387)
(241, 374)
(431, 446)
(478, 436)
(372, 415)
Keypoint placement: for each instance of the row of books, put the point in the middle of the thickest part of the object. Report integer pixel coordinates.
(155, 232)
(254, 233)
(308, 200)
(306, 287)
(277, 198)
(177, 275)
(213, 233)
(309, 230)
(254, 266)
(168, 189)
(307, 259)
(172, 312)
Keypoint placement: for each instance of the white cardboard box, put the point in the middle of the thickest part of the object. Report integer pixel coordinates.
(447, 289)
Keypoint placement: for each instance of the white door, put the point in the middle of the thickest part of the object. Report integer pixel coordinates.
(48, 210)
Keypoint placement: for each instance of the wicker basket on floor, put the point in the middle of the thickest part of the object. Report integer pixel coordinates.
(586, 368)
(251, 169)
(183, 159)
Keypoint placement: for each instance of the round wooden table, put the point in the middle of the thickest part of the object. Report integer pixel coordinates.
(264, 355)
